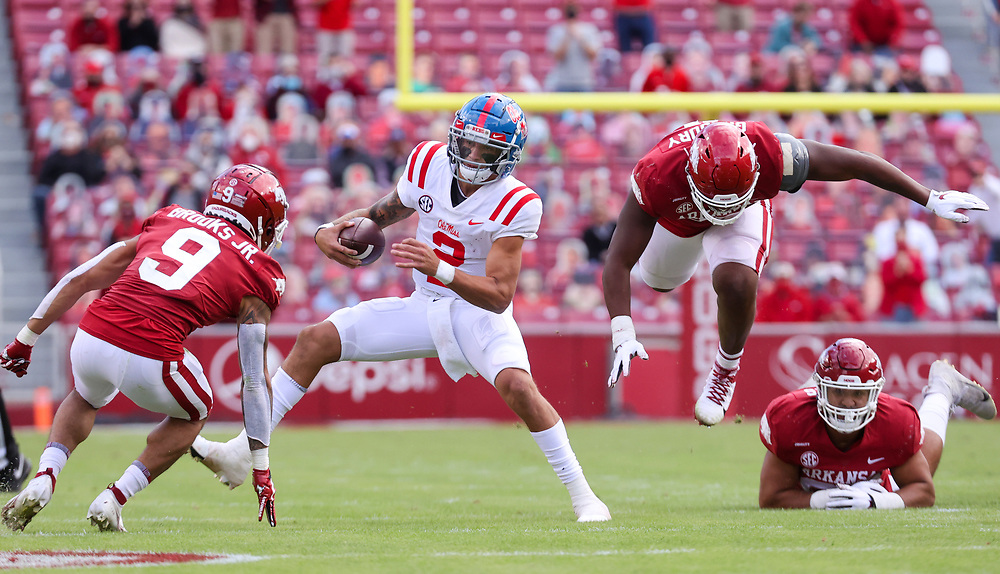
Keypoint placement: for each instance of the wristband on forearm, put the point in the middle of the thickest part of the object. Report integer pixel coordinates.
(622, 330)
(445, 273)
(27, 336)
(260, 459)
(321, 228)
(886, 500)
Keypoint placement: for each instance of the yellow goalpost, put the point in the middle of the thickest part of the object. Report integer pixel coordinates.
(705, 102)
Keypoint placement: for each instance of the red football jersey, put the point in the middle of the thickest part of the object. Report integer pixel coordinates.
(190, 270)
(661, 185)
(794, 431)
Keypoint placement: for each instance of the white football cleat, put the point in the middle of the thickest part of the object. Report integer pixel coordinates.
(106, 512)
(591, 509)
(230, 461)
(965, 393)
(715, 397)
(19, 511)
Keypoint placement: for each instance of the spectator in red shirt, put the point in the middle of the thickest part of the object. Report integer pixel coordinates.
(198, 96)
(125, 223)
(226, 30)
(903, 277)
(531, 300)
(876, 26)
(785, 301)
(666, 74)
(251, 147)
(334, 33)
(93, 84)
(89, 31)
(835, 301)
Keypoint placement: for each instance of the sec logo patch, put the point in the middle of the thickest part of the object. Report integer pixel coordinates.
(809, 459)
(425, 203)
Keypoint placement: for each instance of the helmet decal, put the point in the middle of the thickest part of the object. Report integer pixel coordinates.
(250, 197)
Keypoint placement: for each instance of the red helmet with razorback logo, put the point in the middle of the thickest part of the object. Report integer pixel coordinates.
(722, 172)
(250, 197)
(848, 365)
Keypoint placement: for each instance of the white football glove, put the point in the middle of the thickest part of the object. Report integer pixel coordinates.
(947, 203)
(626, 346)
(881, 498)
(841, 498)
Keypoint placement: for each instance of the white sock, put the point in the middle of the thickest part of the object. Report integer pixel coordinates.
(554, 443)
(934, 413)
(727, 361)
(135, 478)
(286, 394)
(54, 456)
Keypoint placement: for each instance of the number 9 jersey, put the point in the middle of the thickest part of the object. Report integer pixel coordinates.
(462, 235)
(190, 270)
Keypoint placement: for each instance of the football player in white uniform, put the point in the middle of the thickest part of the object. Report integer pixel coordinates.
(466, 257)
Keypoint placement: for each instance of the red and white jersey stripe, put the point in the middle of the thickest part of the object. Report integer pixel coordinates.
(462, 236)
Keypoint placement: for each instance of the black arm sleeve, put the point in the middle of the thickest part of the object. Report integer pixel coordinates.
(795, 163)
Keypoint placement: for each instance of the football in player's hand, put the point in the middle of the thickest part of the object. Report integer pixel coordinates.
(365, 237)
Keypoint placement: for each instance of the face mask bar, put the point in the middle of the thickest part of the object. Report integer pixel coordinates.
(721, 212)
(474, 172)
(843, 419)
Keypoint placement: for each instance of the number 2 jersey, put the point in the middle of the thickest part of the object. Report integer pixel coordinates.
(190, 270)
(462, 235)
(793, 430)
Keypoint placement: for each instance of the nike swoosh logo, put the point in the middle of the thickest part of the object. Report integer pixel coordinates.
(874, 460)
(471, 222)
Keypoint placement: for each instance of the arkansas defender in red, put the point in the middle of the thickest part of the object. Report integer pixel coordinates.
(705, 190)
(842, 444)
(184, 270)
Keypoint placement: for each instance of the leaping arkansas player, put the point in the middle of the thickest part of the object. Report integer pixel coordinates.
(185, 270)
(473, 219)
(842, 444)
(706, 189)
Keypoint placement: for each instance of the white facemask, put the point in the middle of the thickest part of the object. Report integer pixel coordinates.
(473, 175)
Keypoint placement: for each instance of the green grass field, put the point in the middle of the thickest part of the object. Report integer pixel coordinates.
(481, 498)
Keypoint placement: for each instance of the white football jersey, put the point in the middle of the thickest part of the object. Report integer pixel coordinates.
(462, 236)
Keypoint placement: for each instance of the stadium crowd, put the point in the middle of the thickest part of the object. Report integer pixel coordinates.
(126, 119)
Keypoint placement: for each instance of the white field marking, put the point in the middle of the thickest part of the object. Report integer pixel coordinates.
(558, 553)
(877, 548)
(17, 560)
(662, 551)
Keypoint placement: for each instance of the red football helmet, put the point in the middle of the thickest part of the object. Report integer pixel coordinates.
(722, 172)
(250, 197)
(848, 365)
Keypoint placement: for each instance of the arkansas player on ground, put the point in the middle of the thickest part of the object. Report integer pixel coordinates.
(473, 220)
(842, 444)
(706, 189)
(185, 270)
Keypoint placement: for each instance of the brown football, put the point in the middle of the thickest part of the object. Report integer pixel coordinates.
(366, 238)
